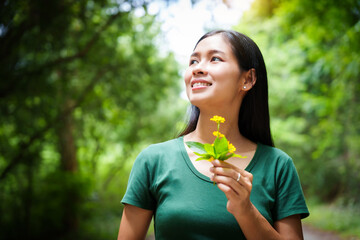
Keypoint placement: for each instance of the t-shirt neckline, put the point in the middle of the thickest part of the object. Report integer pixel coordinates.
(191, 166)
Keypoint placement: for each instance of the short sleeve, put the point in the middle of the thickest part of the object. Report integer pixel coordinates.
(138, 192)
(290, 198)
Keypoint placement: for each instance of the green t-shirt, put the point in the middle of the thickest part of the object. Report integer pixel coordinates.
(187, 205)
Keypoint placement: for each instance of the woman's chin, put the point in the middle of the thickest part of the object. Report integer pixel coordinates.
(199, 102)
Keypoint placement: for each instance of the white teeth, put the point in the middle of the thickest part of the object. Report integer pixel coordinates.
(197, 84)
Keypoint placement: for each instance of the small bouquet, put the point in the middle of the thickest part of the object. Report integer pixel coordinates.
(220, 149)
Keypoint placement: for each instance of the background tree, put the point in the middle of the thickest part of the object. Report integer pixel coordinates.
(83, 88)
(312, 54)
(80, 87)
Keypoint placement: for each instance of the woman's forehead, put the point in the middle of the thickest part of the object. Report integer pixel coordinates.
(214, 43)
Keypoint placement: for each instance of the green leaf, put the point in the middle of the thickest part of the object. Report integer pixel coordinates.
(203, 158)
(196, 147)
(203, 154)
(225, 156)
(221, 146)
(209, 149)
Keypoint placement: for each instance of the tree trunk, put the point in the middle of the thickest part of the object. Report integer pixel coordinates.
(69, 164)
(66, 139)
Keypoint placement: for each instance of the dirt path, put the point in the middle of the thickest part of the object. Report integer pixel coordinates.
(311, 233)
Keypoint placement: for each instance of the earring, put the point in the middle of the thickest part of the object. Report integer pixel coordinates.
(244, 87)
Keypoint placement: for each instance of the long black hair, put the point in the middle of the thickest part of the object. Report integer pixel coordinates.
(254, 117)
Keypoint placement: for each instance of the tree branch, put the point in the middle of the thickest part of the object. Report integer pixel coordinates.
(6, 90)
(87, 47)
(18, 158)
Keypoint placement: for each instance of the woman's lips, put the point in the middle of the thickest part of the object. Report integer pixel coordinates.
(200, 84)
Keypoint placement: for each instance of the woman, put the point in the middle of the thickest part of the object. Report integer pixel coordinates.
(258, 197)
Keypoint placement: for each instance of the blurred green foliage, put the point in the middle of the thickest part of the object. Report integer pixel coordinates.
(344, 220)
(83, 88)
(312, 52)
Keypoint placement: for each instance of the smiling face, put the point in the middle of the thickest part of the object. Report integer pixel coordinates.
(213, 77)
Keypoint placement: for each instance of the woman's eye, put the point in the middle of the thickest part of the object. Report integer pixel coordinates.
(216, 59)
(193, 61)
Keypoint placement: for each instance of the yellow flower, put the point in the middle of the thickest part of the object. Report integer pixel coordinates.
(218, 134)
(210, 159)
(231, 148)
(217, 119)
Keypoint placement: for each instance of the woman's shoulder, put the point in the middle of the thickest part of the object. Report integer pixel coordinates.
(161, 148)
(160, 154)
(169, 144)
(274, 154)
(275, 160)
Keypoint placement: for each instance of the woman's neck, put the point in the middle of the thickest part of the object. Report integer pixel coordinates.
(205, 127)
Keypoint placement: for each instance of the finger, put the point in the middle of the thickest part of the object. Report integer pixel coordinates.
(231, 171)
(232, 177)
(236, 187)
(229, 192)
(227, 172)
(224, 171)
(218, 163)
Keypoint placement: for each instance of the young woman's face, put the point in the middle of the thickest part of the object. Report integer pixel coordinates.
(213, 76)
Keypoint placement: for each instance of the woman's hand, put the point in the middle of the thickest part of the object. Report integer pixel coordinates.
(252, 223)
(237, 192)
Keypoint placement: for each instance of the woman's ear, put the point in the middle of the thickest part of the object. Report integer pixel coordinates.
(249, 79)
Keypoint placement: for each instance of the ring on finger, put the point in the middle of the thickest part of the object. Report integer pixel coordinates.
(238, 178)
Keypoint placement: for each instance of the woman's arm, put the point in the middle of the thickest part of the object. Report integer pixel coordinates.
(134, 223)
(290, 227)
(252, 223)
(255, 226)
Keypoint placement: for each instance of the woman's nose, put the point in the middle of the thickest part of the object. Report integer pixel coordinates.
(199, 69)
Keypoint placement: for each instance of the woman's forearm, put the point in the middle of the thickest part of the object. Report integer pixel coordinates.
(255, 226)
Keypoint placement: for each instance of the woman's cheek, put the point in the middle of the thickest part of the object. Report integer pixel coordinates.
(187, 78)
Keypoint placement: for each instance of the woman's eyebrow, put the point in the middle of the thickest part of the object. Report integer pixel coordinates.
(210, 52)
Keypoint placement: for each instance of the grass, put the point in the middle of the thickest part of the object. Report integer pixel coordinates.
(331, 217)
(151, 230)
